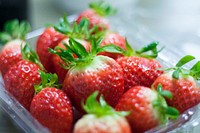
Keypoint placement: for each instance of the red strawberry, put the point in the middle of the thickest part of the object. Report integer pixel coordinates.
(101, 118)
(139, 70)
(51, 106)
(13, 37)
(96, 15)
(21, 78)
(89, 73)
(116, 39)
(49, 39)
(182, 84)
(148, 108)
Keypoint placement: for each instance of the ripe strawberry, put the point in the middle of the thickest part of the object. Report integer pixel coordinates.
(13, 37)
(101, 118)
(96, 15)
(182, 84)
(88, 73)
(115, 39)
(51, 106)
(21, 77)
(49, 39)
(148, 108)
(79, 32)
(140, 70)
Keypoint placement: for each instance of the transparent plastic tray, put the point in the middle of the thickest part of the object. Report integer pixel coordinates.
(138, 36)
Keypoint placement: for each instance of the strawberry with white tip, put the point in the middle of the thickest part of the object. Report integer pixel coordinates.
(101, 118)
(147, 107)
(12, 38)
(89, 72)
(182, 83)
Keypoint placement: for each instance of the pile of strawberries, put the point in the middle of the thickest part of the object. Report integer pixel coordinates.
(85, 78)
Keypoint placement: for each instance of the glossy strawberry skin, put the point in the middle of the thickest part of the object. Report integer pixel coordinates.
(59, 70)
(53, 109)
(106, 124)
(103, 75)
(116, 39)
(138, 100)
(186, 93)
(94, 19)
(20, 80)
(49, 39)
(10, 55)
(139, 71)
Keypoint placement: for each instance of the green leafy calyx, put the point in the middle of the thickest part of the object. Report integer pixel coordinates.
(79, 31)
(149, 51)
(102, 8)
(14, 30)
(165, 112)
(83, 56)
(31, 55)
(47, 80)
(101, 108)
(178, 70)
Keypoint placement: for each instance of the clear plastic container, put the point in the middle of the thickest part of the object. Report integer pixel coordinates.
(138, 36)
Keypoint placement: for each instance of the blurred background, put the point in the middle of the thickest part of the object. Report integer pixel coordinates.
(174, 23)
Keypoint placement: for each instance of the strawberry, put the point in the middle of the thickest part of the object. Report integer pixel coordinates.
(51, 106)
(147, 108)
(95, 14)
(116, 39)
(21, 77)
(88, 73)
(101, 118)
(13, 37)
(140, 69)
(182, 84)
(79, 32)
(49, 39)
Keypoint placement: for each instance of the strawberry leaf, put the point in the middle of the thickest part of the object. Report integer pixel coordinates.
(14, 30)
(78, 48)
(176, 73)
(30, 55)
(64, 26)
(129, 50)
(164, 111)
(101, 108)
(152, 47)
(111, 48)
(102, 8)
(4, 37)
(82, 55)
(185, 60)
(164, 93)
(195, 70)
(79, 31)
(47, 80)
(173, 113)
